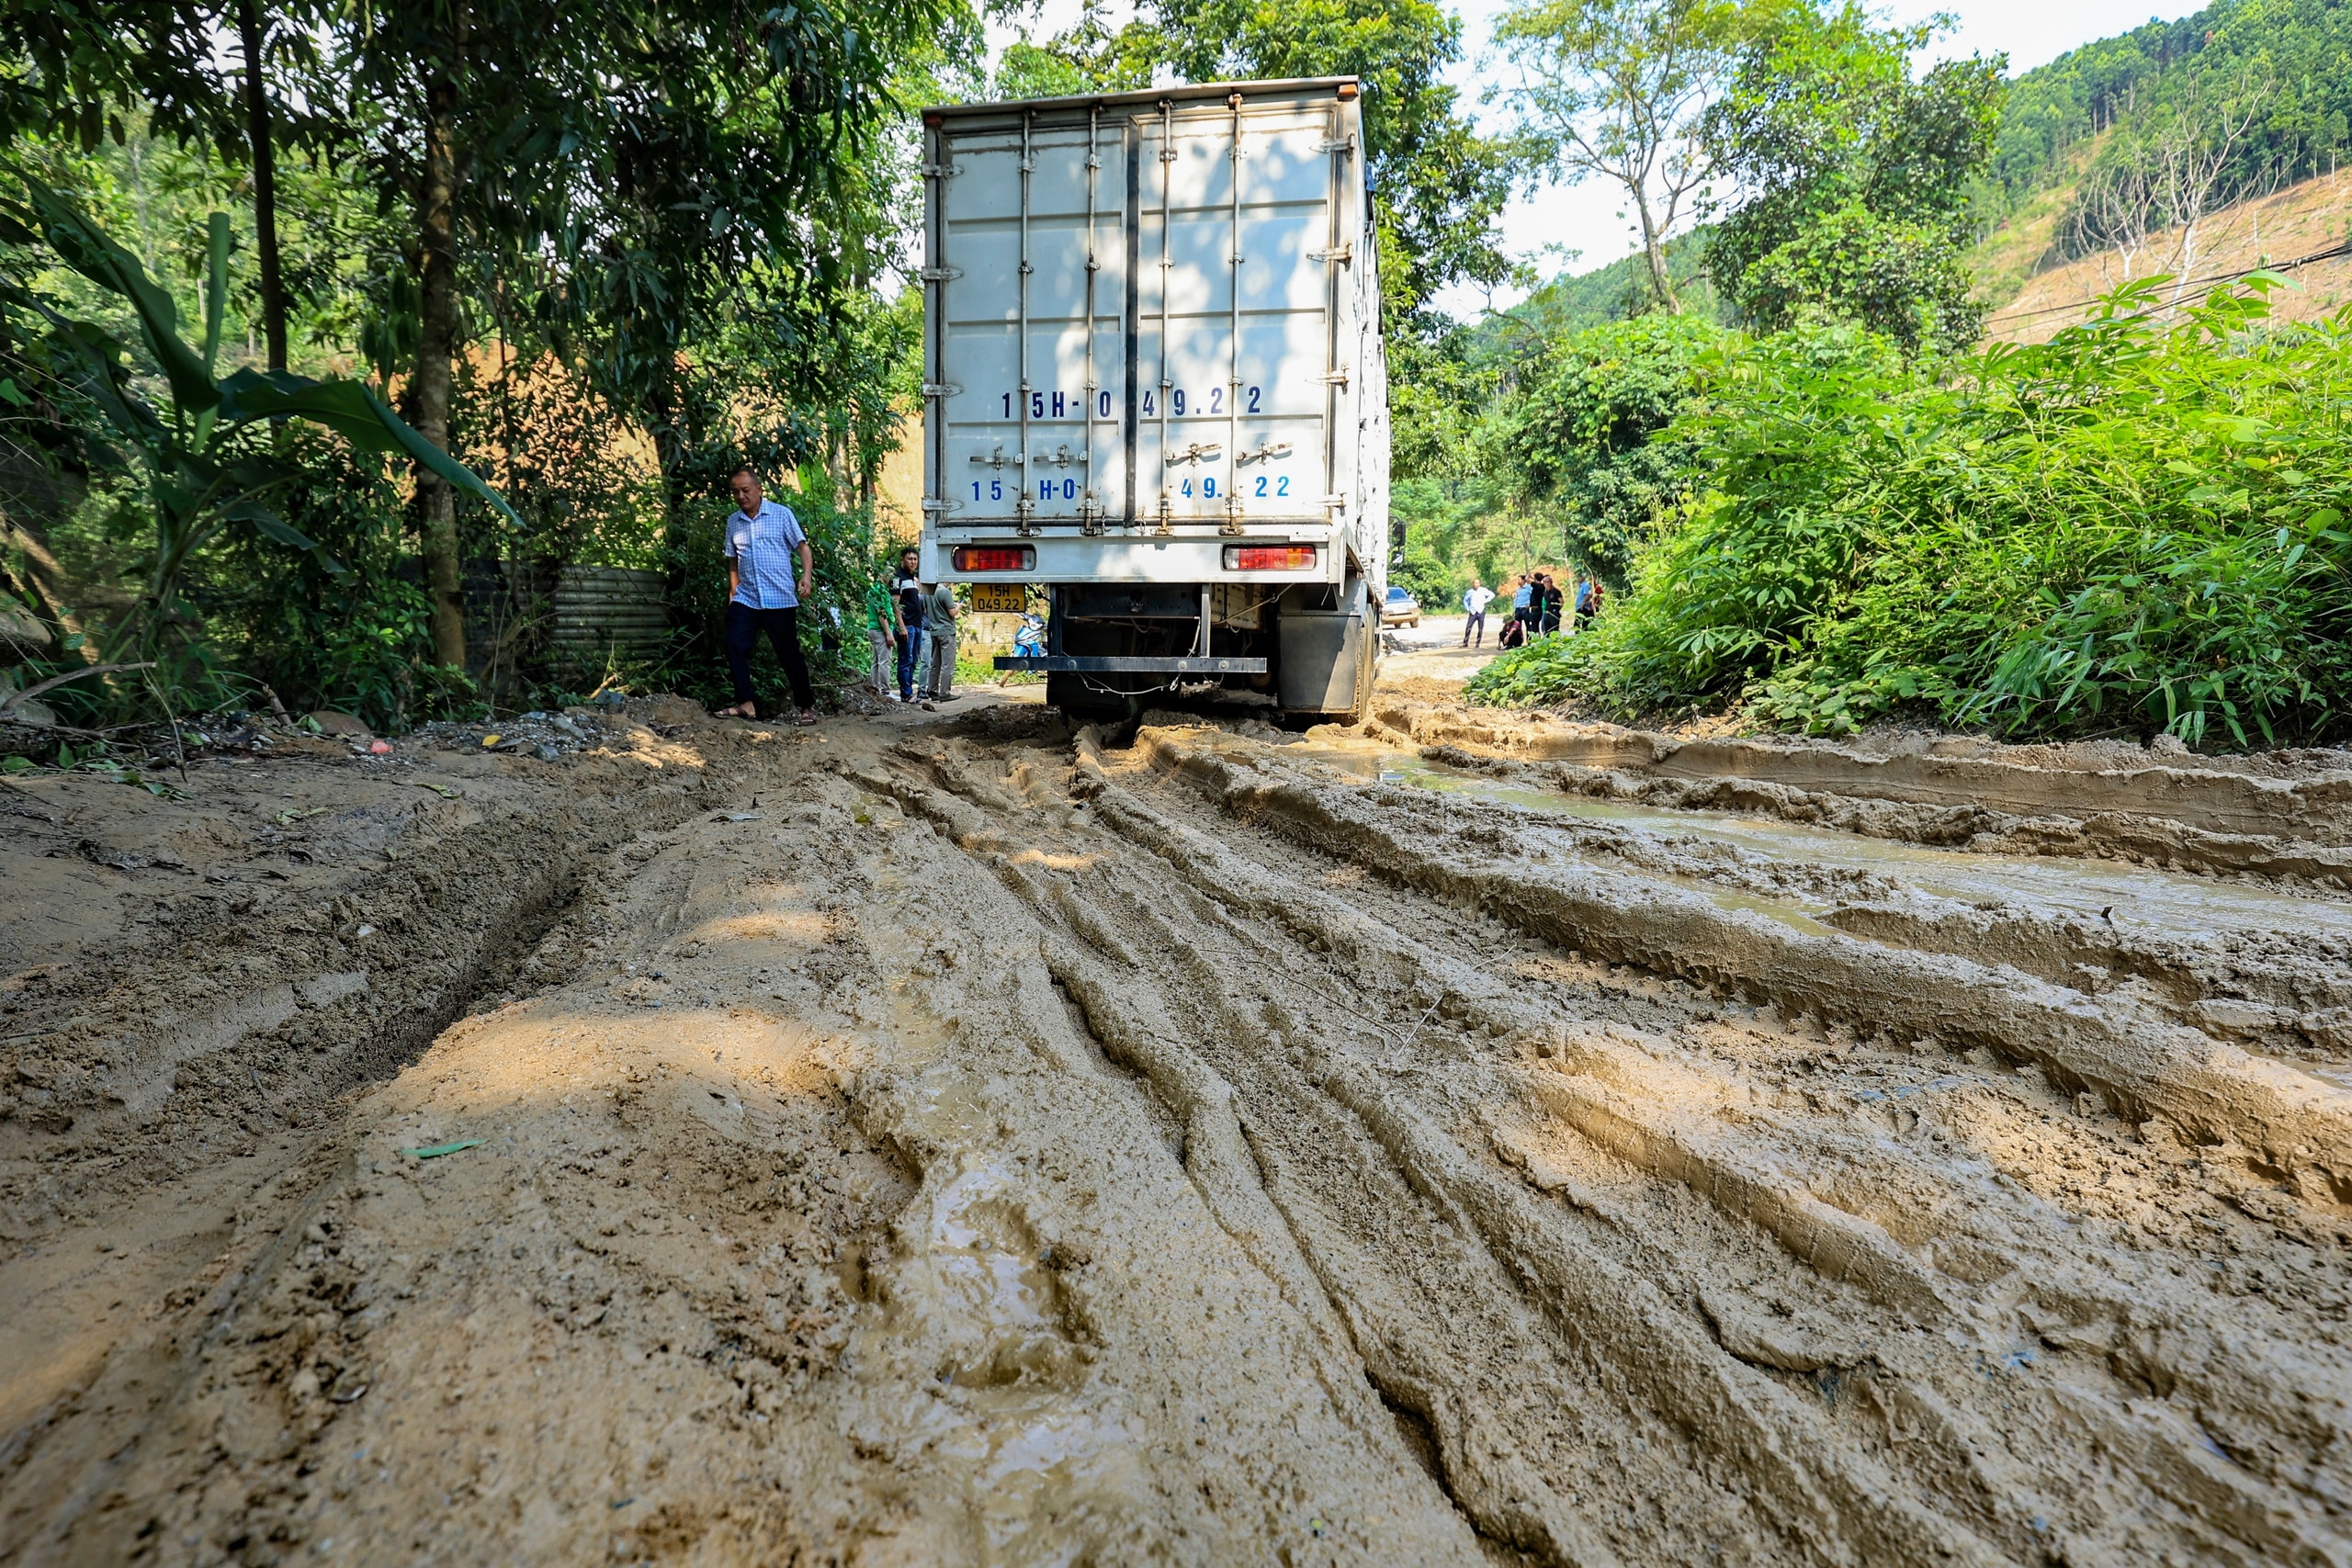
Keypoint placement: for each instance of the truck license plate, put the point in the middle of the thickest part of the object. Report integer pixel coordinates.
(999, 598)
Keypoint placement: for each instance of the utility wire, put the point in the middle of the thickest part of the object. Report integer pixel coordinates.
(2203, 285)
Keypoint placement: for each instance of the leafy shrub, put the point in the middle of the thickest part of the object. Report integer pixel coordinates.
(2137, 526)
(1591, 444)
(359, 638)
(1534, 674)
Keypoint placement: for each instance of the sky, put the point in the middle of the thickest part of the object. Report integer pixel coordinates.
(1549, 226)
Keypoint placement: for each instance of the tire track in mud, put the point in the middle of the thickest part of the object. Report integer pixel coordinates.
(998, 1150)
(2141, 1066)
(1962, 1463)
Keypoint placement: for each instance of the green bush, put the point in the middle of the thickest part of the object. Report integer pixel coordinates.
(2137, 526)
(1534, 674)
(1589, 444)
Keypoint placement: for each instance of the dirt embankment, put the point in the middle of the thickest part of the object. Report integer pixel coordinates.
(986, 1143)
(2281, 814)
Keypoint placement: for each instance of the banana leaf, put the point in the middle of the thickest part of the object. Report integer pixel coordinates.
(353, 412)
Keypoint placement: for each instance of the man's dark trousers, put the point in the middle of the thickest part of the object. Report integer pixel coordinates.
(783, 627)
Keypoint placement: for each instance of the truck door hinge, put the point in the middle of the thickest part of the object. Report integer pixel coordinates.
(941, 171)
(941, 274)
(1345, 255)
(934, 504)
(940, 389)
(1337, 377)
(1338, 144)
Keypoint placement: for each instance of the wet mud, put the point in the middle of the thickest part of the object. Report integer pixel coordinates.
(978, 1141)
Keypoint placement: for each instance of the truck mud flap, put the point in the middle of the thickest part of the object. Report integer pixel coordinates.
(1130, 664)
(1323, 661)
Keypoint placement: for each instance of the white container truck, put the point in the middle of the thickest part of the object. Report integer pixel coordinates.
(1155, 386)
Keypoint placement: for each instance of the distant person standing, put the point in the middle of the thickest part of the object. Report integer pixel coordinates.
(1548, 603)
(763, 542)
(939, 623)
(1474, 606)
(1583, 613)
(1521, 598)
(881, 634)
(909, 591)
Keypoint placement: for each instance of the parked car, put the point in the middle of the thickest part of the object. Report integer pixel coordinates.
(1400, 608)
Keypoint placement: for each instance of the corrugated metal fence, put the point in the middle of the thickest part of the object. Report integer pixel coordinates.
(603, 608)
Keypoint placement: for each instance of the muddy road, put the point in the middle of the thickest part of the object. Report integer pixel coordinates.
(1464, 1139)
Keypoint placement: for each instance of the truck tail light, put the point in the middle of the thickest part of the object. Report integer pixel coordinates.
(1269, 558)
(995, 558)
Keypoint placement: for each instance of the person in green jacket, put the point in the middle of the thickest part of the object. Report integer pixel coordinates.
(882, 634)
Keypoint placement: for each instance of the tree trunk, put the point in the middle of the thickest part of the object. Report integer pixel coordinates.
(1654, 251)
(264, 156)
(437, 348)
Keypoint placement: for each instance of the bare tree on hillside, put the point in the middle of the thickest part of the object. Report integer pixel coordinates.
(2156, 202)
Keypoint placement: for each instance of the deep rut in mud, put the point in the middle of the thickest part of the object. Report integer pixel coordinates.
(1002, 1146)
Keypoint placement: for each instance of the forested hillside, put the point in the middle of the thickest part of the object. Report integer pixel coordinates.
(2288, 62)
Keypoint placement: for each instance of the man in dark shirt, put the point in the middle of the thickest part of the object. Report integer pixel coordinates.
(909, 589)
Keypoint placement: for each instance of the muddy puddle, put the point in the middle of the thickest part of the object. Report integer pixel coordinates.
(2129, 896)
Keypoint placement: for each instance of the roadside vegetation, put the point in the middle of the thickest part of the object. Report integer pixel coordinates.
(2137, 526)
(1826, 503)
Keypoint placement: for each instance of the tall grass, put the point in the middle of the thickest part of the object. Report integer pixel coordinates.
(2138, 526)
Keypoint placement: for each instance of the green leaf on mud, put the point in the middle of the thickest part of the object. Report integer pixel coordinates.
(437, 1150)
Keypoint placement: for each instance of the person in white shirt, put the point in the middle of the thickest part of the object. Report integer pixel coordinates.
(763, 543)
(1474, 605)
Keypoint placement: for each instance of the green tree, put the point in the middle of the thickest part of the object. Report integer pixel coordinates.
(1616, 88)
(206, 473)
(617, 179)
(98, 68)
(1855, 178)
(1587, 443)
(1437, 186)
